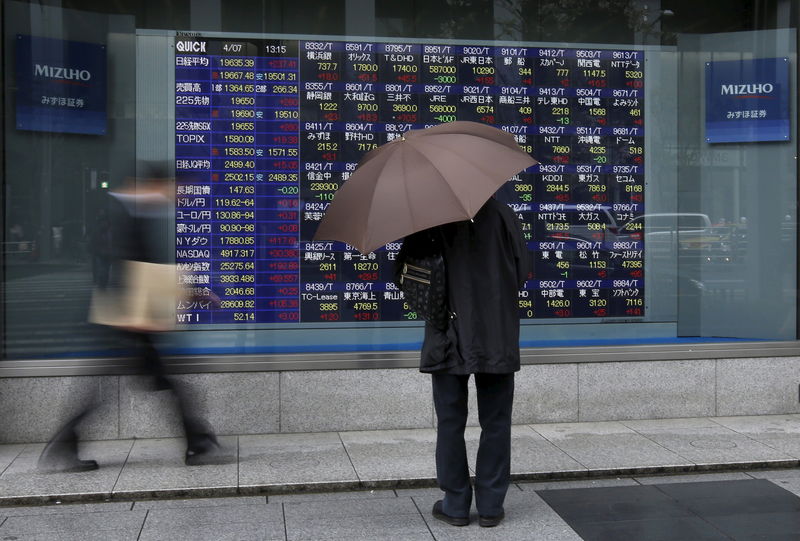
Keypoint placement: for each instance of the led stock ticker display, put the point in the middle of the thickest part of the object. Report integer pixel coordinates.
(266, 131)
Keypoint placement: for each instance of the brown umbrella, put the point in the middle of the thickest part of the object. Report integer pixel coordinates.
(425, 178)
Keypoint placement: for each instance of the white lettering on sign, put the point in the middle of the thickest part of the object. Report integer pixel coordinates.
(57, 72)
(743, 90)
(187, 46)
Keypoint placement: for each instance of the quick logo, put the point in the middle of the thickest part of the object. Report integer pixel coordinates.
(190, 46)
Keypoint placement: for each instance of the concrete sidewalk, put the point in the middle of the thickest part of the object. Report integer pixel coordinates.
(366, 515)
(385, 460)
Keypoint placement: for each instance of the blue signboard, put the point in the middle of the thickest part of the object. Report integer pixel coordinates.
(61, 85)
(747, 100)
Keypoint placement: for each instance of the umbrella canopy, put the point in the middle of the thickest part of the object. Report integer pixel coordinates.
(425, 178)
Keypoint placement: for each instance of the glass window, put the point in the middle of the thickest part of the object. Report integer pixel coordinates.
(663, 210)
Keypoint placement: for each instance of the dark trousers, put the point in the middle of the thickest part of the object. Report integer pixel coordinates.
(199, 435)
(493, 467)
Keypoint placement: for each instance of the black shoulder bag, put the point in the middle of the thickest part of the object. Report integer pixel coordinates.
(422, 277)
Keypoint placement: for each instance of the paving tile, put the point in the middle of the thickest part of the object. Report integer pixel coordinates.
(613, 503)
(773, 475)
(22, 481)
(201, 502)
(433, 492)
(218, 522)
(385, 528)
(722, 498)
(268, 519)
(8, 452)
(609, 446)
(217, 532)
(61, 509)
(752, 509)
(651, 425)
(714, 445)
(760, 526)
(121, 522)
(384, 519)
(792, 484)
(392, 454)
(762, 424)
(340, 509)
(779, 432)
(528, 518)
(530, 453)
(636, 512)
(583, 483)
(294, 459)
(99, 535)
(692, 478)
(656, 529)
(326, 496)
(787, 444)
(156, 467)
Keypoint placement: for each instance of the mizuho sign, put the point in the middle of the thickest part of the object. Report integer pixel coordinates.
(747, 100)
(57, 72)
(61, 85)
(747, 90)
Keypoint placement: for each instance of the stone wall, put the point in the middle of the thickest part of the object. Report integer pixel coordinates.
(344, 400)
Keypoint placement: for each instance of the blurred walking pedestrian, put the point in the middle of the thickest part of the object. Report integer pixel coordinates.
(486, 264)
(139, 300)
(100, 249)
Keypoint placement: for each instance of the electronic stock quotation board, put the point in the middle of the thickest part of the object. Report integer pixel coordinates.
(266, 131)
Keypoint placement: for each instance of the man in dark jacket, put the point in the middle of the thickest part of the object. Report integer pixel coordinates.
(144, 287)
(487, 263)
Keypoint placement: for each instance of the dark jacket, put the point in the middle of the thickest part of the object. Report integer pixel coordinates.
(140, 227)
(487, 263)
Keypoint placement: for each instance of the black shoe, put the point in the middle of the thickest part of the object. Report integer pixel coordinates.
(60, 455)
(491, 522)
(70, 465)
(452, 521)
(207, 456)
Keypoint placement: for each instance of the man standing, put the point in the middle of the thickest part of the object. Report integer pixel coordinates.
(487, 263)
